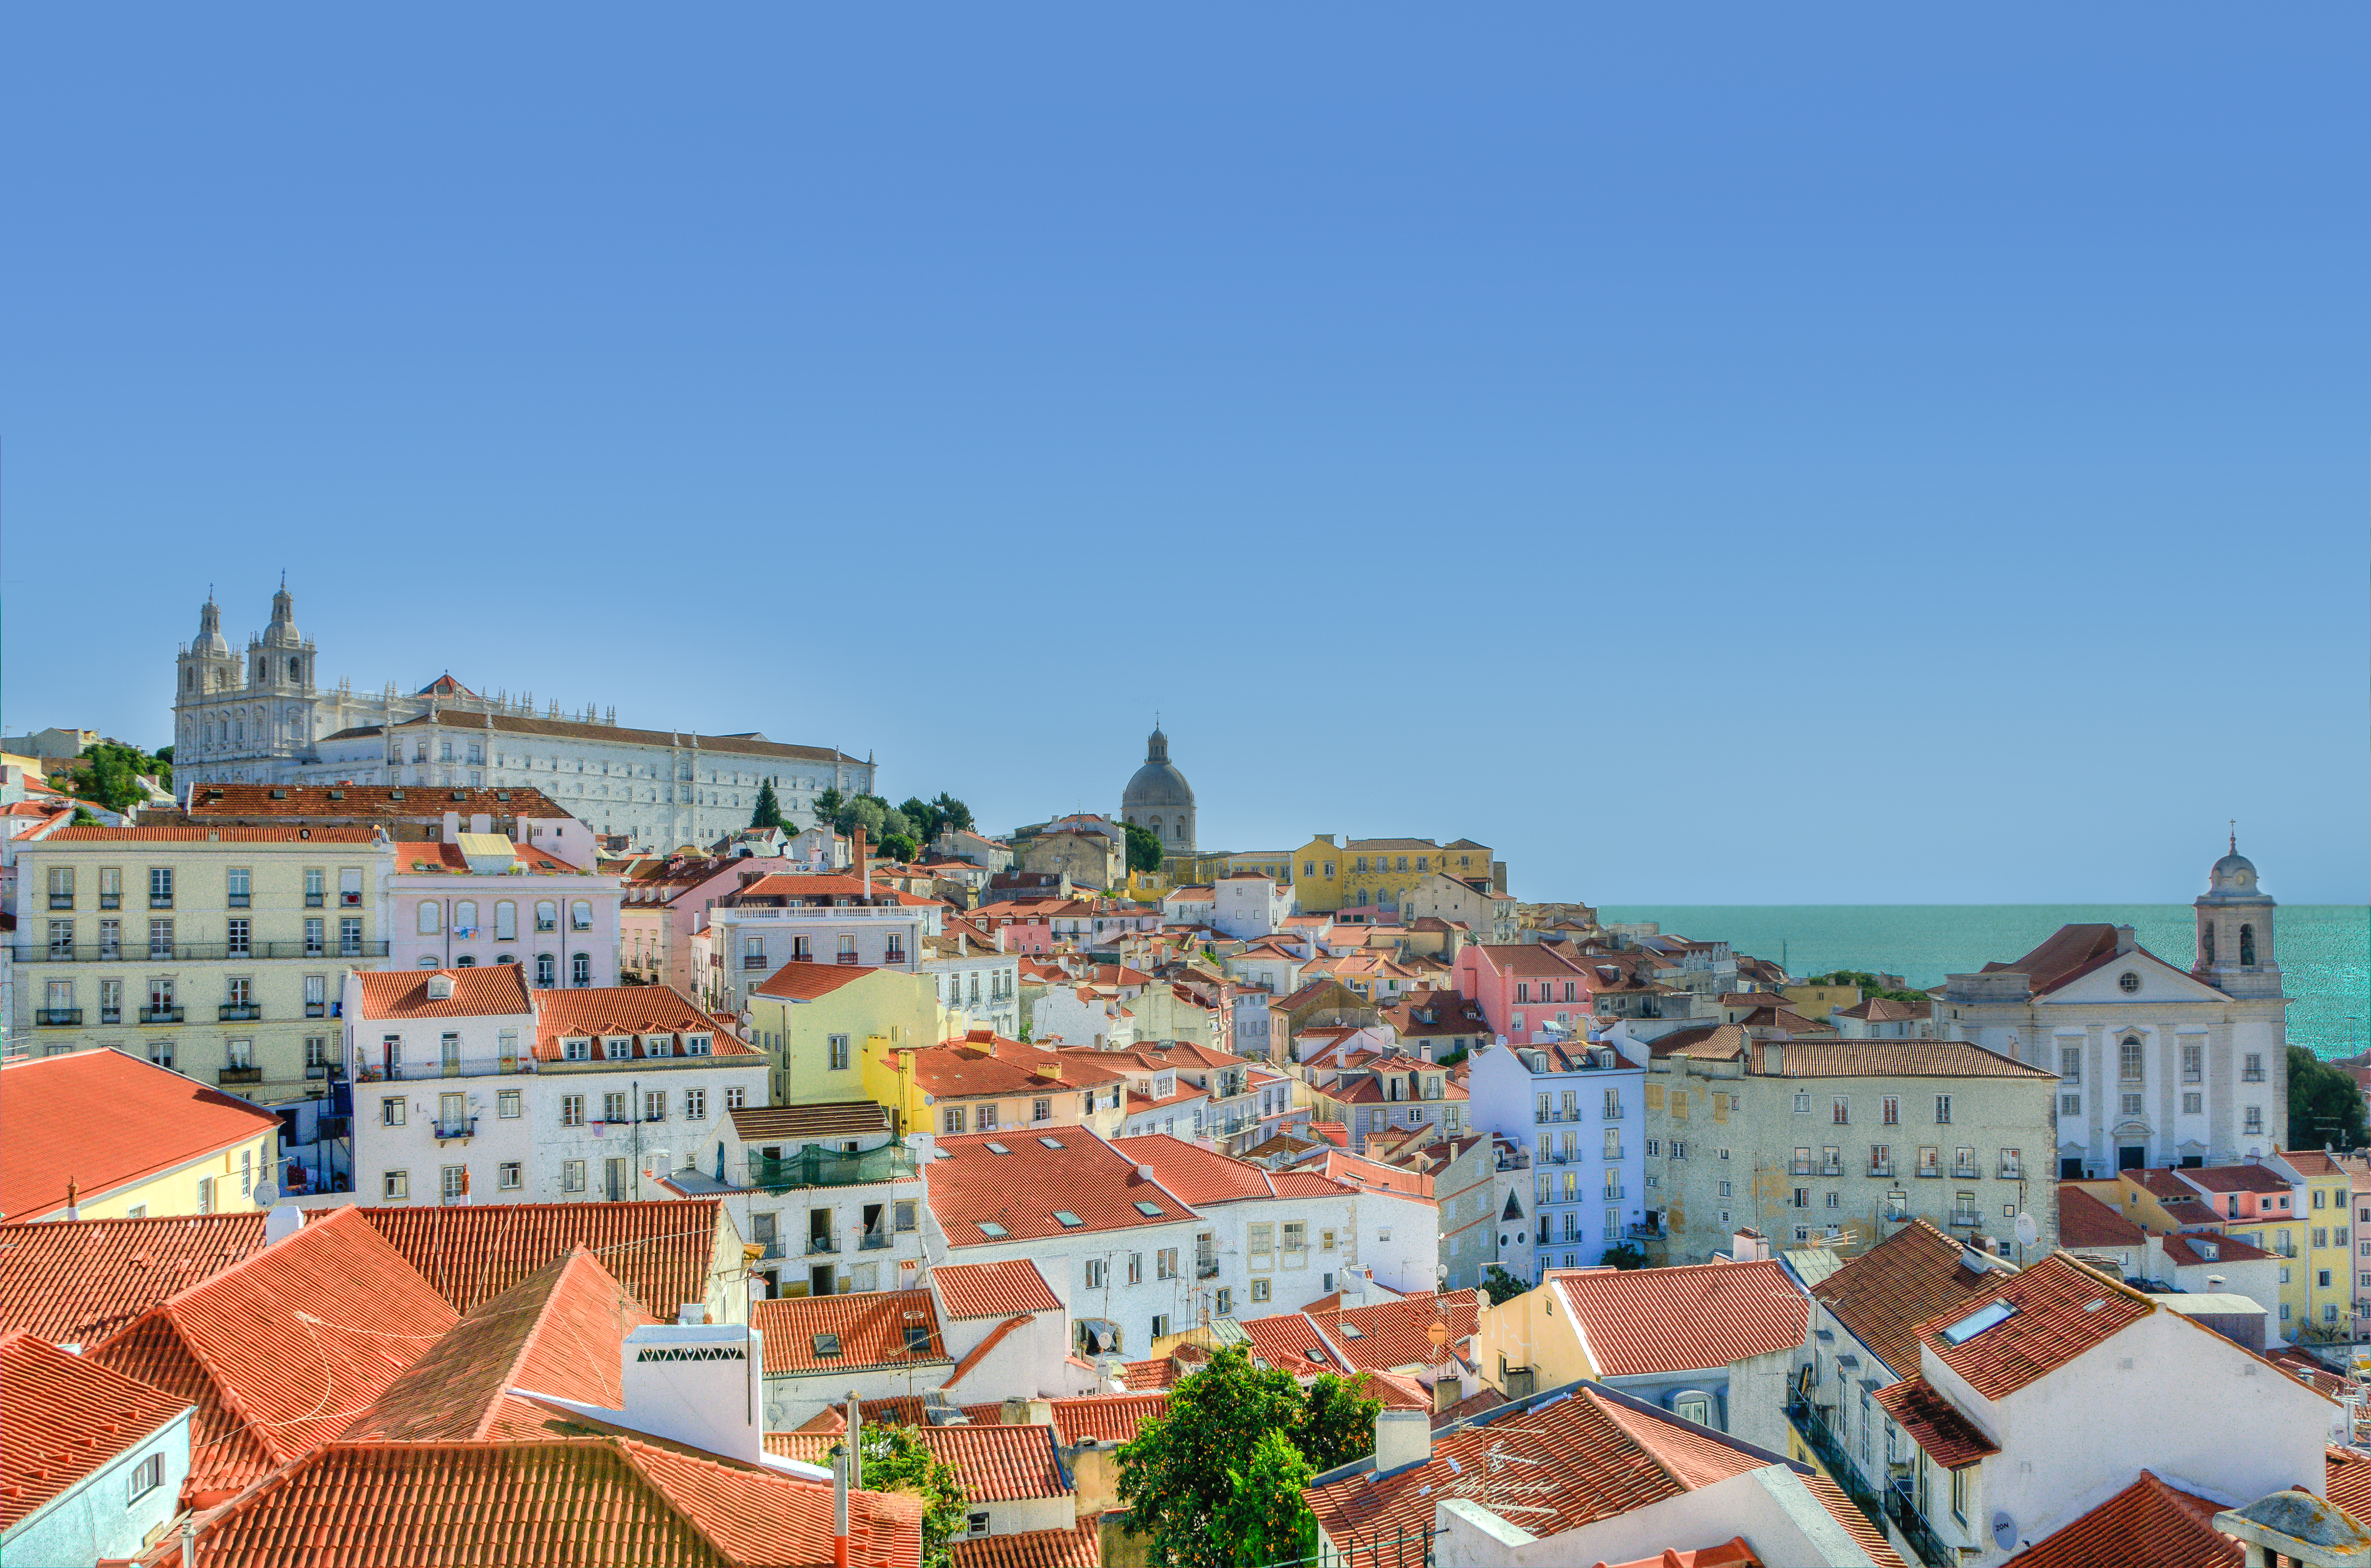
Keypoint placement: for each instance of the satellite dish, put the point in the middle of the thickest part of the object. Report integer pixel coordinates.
(2027, 1233)
(267, 1194)
(2004, 1531)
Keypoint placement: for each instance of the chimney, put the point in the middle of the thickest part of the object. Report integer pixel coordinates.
(452, 826)
(840, 1509)
(2124, 939)
(283, 1221)
(1750, 1247)
(480, 822)
(855, 1442)
(691, 1314)
(863, 864)
(73, 1203)
(697, 1384)
(1403, 1437)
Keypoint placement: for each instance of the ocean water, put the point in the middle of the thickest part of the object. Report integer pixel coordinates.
(2325, 949)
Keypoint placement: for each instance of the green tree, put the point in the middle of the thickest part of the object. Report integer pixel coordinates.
(922, 816)
(828, 806)
(1627, 1255)
(895, 824)
(1187, 1478)
(1264, 1519)
(1143, 848)
(862, 810)
(896, 1460)
(898, 846)
(1869, 985)
(951, 814)
(1499, 1285)
(107, 774)
(2325, 1108)
(769, 809)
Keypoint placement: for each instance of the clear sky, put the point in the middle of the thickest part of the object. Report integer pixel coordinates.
(1714, 454)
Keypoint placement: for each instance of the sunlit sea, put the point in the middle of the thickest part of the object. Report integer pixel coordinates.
(2325, 949)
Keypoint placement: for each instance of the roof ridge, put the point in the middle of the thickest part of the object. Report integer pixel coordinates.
(512, 1373)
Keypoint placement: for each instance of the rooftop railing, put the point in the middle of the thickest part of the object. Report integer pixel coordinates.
(816, 1167)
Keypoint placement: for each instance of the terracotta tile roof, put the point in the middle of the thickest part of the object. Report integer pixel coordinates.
(747, 745)
(1885, 1294)
(2236, 1178)
(661, 1251)
(494, 990)
(1198, 1175)
(1106, 1418)
(279, 1352)
(2146, 1522)
(2085, 1221)
(425, 855)
(659, 1016)
(2160, 1183)
(871, 1329)
(64, 1419)
(2062, 1310)
(1553, 1464)
(155, 1121)
(1352, 1171)
(1686, 1318)
(606, 1501)
(966, 1068)
(212, 835)
(557, 1332)
(1704, 1043)
(75, 1282)
(1867, 1535)
(1886, 1009)
(1020, 1191)
(1289, 1341)
(1530, 959)
(993, 1290)
(2068, 954)
(1932, 1423)
(1397, 1333)
(1899, 1058)
(804, 981)
(2310, 1161)
(2348, 1471)
(2186, 1250)
(997, 1463)
(805, 1123)
(1078, 1548)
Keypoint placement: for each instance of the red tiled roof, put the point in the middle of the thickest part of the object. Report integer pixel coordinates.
(661, 1251)
(2085, 1221)
(212, 835)
(494, 990)
(895, 1410)
(2310, 1161)
(557, 1332)
(2186, 1250)
(641, 1010)
(997, 1463)
(425, 855)
(1196, 1174)
(1934, 1424)
(65, 1418)
(1885, 1294)
(963, 1069)
(1687, 1318)
(606, 1501)
(2063, 1309)
(1287, 1340)
(1397, 1333)
(1078, 1548)
(993, 1290)
(804, 981)
(75, 1282)
(1020, 1189)
(871, 1328)
(2348, 1471)
(2067, 954)
(153, 1120)
(2236, 1178)
(279, 1352)
(1106, 1418)
(2146, 1522)
(1530, 959)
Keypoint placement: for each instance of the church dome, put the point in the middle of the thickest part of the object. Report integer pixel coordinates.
(1157, 783)
(2234, 873)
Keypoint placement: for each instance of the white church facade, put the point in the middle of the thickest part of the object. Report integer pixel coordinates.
(261, 717)
(2158, 1066)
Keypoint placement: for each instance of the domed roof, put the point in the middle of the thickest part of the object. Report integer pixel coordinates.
(2233, 873)
(1158, 783)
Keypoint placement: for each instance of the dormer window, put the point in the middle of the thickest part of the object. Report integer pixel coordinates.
(578, 1050)
(696, 1046)
(618, 1047)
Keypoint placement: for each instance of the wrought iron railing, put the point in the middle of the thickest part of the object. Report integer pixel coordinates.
(816, 1167)
(1913, 1527)
(1835, 1458)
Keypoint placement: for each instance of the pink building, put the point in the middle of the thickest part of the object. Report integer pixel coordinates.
(1522, 986)
(2243, 1192)
(663, 901)
(480, 899)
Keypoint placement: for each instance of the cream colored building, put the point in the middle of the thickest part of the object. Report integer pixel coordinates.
(1843, 1142)
(219, 952)
(100, 1135)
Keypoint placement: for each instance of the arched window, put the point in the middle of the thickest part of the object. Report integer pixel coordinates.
(547, 915)
(465, 917)
(2206, 944)
(2128, 1059)
(466, 960)
(2247, 947)
(1155, 825)
(580, 969)
(1177, 830)
(580, 914)
(292, 668)
(547, 971)
(430, 911)
(505, 920)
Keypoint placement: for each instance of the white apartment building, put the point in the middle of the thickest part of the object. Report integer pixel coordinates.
(1578, 1108)
(477, 898)
(470, 1087)
(979, 986)
(797, 918)
(1247, 905)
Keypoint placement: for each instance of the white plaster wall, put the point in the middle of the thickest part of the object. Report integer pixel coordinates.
(97, 1520)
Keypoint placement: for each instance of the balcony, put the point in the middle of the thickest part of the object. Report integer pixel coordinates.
(315, 900)
(2010, 1170)
(818, 1246)
(1206, 1269)
(110, 901)
(1822, 1441)
(1614, 1194)
(111, 1015)
(239, 1012)
(1612, 1113)
(1832, 1169)
(160, 901)
(1965, 1219)
(239, 901)
(1798, 1167)
(316, 1009)
(62, 901)
(1924, 1542)
(58, 1018)
(816, 1167)
(847, 958)
(160, 1015)
(1930, 1173)
(1880, 1168)
(1967, 1172)
(459, 1067)
(874, 1241)
(461, 1127)
(240, 1075)
(191, 952)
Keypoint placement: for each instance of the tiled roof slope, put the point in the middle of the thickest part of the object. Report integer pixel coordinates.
(1686, 1318)
(625, 1010)
(1021, 1189)
(281, 1351)
(496, 990)
(2146, 1522)
(75, 1282)
(582, 1503)
(2055, 1322)
(1914, 1274)
(1897, 1058)
(803, 981)
(2348, 1471)
(803, 1123)
(993, 1290)
(2236, 1178)
(64, 1419)
(660, 1250)
(166, 834)
(750, 744)
(2085, 1221)
(998, 1464)
(558, 1331)
(155, 1121)
(1079, 1548)
(392, 802)
(1935, 1424)
(1398, 1334)
(871, 1328)
(1106, 1418)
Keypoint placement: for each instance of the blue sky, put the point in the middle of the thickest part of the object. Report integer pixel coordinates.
(1868, 453)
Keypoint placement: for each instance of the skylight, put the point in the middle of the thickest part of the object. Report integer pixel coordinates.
(997, 1149)
(1051, 1142)
(1154, 1210)
(988, 1228)
(1977, 1322)
(1067, 1219)
(1350, 1330)
(827, 1344)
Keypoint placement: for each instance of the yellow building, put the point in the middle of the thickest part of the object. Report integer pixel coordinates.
(216, 951)
(829, 1027)
(1362, 879)
(985, 1083)
(1815, 1002)
(102, 1135)
(2326, 1278)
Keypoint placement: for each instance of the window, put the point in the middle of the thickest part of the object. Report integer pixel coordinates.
(1165, 1265)
(2128, 1060)
(2251, 1068)
(160, 937)
(510, 1175)
(1841, 1112)
(2255, 1123)
(547, 971)
(2070, 1063)
(350, 936)
(2070, 1105)
(838, 1053)
(160, 887)
(1892, 1109)
(146, 1477)
(1161, 1323)
(572, 1176)
(1942, 1109)
(654, 1105)
(547, 915)
(580, 969)
(395, 1186)
(350, 887)
(316, 887)
(1802, 1103)
(1041, 1110)
(572, 1111)
(1097, 1274)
